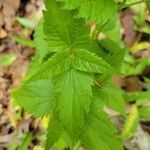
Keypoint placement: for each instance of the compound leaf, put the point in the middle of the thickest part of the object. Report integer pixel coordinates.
(79, 59)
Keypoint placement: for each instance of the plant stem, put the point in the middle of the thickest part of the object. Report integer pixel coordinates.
(131, 4)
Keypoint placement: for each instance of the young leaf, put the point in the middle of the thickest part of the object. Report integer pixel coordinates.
(89, 62)
(35, 97)
(99, 11)
(99, 133)
(54, 133)
(62, 30)
(73, 93)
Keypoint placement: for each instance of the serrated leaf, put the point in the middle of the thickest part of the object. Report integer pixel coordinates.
(99, 133)
(62, 30)
(99, 11)
(89, 62)
(73, 93)
(54, 133)
(39, 39)
(58, 63)
(35, 97)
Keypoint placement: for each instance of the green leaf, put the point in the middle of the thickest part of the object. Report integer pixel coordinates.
(58, 63)
(23, 41)
(62, 30)
(26, 22)
(33, 66)
(7, 59)
(136, 67)
(113, 98)
(99, 11)
(40, 41)
(54, 133)
(73, 93)
(139, 97)
(148, 5)
(144, 112)
(98, 132)
(26, 141)
(79, 59)
(131, 123)
(89, 62)
(114, 34)
(35, 97)
(112, 53)
(61, 144)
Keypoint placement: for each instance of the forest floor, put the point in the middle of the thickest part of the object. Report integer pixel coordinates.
(15, 123)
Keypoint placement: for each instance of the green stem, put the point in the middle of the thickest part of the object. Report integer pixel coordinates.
(131, 4)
